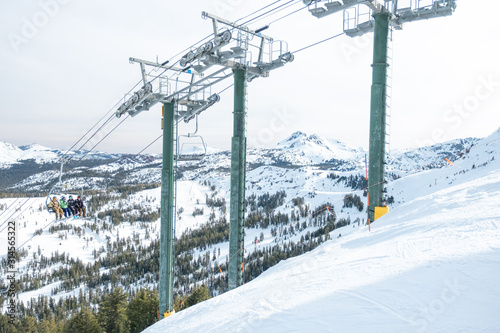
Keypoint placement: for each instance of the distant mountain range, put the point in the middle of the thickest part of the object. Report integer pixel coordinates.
(11, 154)
(36, 168)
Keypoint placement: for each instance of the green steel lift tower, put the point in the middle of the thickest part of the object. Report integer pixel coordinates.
(380, 16)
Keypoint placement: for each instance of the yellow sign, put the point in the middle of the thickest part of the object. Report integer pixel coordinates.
(168, 313)
(380, 211)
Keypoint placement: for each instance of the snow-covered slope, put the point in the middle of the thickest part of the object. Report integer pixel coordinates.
(429, 157)
(430, 265)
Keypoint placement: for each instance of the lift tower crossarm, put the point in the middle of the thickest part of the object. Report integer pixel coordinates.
(228, 63)
(333, 7)
(215, 18)
(262, 69)
(437, 9)
(154, 64)
(217, 80)
(197, 83)
(374, 5)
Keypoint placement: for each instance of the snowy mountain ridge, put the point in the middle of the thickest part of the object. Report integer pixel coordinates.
(11, 154)
(318, 149)
(299, 149)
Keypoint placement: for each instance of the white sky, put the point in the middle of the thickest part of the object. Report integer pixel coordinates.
(64, 75)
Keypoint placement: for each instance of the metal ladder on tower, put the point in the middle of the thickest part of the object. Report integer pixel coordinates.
(174, 201)
(176, 152)
(388, 91)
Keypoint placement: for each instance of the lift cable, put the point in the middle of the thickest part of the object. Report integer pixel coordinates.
(139, 153)
(18, 215)
(97, 123)
(244, 17)
(295, 11)
(314, 44)
(280, 10)
(7, 209)
(73, 146)
(109, 120)
(13, 214)
(220, 92)
(270, 12)
(114, 128)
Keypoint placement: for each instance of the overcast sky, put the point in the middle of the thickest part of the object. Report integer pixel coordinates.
(64, 64)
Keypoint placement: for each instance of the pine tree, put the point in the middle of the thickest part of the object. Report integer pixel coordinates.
(49, 325)
(6, 326)
(198, 295)
(142, 310)
(82, 322)
(112, 312)
(28, 325)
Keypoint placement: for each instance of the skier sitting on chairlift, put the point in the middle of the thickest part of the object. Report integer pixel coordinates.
(80, 207)
(56, 208)
(65, 208)
(72, 206)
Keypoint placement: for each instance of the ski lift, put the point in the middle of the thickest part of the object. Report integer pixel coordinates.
(61, 189)
(198, 146)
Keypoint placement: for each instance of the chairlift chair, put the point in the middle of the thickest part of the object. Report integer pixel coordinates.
(183, 156)
(62, 189)
(199, 143)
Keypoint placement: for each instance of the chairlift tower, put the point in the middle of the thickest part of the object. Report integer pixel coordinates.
(361, 17)
(185, 91)
(245, 70)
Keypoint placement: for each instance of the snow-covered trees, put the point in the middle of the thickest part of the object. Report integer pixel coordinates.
(353, 200)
